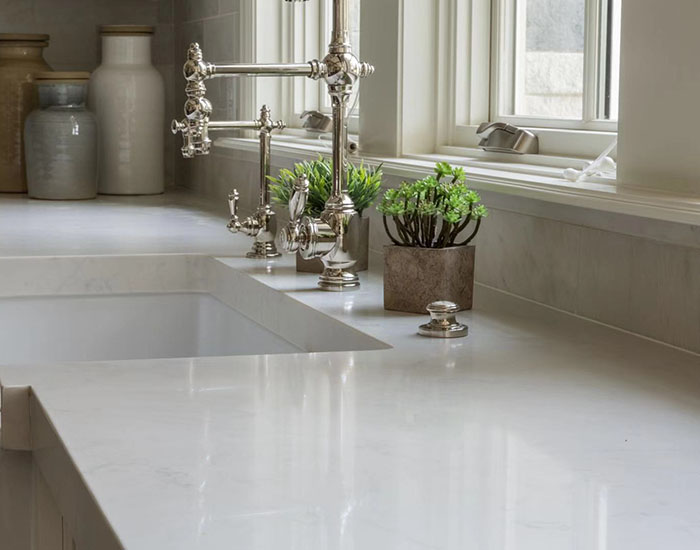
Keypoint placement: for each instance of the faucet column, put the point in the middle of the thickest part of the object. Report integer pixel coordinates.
(341, 23)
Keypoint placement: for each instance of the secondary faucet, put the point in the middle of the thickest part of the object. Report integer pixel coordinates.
(262, 224)
(325, 237)
(195, 132)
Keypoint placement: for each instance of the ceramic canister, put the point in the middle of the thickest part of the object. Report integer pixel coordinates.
(20, 58)
(127, 95)
(61, 139)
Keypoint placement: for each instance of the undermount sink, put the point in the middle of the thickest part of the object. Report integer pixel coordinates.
(96, 328)
(149, 307)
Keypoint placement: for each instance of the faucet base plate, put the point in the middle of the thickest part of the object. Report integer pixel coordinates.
(338, 280)
(263, 251)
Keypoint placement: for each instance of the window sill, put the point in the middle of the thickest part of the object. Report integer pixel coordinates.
(514, 176)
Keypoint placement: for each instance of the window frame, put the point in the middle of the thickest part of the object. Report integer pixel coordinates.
(468, 56)
(505, 26)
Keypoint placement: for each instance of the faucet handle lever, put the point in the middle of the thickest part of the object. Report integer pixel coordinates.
(233, 197)
(234, 225)
(291, 237)
(297, 202)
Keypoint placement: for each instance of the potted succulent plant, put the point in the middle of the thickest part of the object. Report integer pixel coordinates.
(364, 185)
(434, 221)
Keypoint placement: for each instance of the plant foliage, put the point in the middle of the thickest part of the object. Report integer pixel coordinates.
(364, 184)
(435, 211)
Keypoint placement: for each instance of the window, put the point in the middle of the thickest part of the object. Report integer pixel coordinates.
(557, 63)
(549, 65)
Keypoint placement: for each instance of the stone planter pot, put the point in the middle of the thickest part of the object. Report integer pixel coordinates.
(416, 277)
(316, 265)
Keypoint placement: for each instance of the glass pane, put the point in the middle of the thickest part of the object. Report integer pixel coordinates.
(548, 58)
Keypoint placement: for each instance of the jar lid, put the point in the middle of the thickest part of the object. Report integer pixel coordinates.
(61, 76)
(127, 30)
(23, 37)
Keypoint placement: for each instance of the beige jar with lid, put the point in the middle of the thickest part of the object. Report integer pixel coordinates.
(20, 58)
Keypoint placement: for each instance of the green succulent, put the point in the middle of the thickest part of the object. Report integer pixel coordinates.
(364, 184)
(433, 212)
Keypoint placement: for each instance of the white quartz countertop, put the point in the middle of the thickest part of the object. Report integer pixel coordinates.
(539, 431)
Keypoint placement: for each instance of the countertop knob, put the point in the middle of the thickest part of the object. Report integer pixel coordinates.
(443, 321)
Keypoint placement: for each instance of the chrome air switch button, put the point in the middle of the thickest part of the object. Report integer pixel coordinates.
(443, 322)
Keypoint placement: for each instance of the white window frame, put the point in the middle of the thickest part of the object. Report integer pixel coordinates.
(473, 90)
(506, 26)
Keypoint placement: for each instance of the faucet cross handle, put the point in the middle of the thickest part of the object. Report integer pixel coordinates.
(266, 124)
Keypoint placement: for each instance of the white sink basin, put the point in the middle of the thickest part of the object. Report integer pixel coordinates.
(148, 307)
(96, 328)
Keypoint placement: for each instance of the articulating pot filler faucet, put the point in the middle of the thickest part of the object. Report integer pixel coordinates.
(325, 237)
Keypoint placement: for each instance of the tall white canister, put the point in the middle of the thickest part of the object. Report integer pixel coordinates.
(127, 95)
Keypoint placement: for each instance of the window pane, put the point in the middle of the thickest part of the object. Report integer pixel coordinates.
(549, 58)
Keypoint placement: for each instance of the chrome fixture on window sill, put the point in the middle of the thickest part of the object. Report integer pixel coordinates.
(262, 224)
(499, 137)
(340, 69)
(318, 123)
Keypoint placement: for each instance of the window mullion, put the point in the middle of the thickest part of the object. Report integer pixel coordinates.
(591, 76)
(519, 23)
(503, 60)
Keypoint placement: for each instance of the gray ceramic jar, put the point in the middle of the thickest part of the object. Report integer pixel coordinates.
(60, 139)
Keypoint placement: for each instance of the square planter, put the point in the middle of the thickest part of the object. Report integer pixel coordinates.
(416, 277)
(316, 265)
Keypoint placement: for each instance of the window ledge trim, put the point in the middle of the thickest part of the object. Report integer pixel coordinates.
(519, 180)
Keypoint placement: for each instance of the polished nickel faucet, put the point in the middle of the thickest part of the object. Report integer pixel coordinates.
(261, 225)
(325, 237)
(195, 132)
